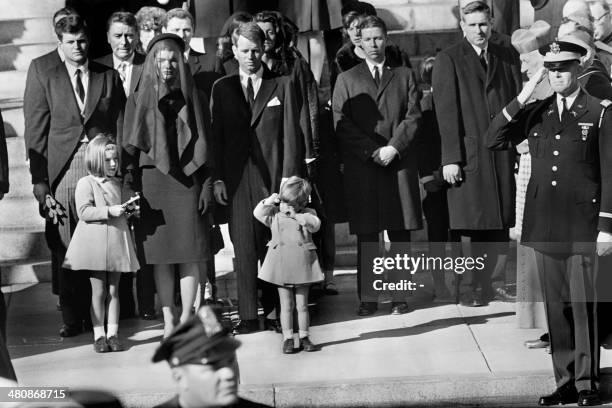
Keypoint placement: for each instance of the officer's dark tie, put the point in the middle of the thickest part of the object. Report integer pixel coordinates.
(250, 93)
(376, 76)
(483, 60)
(79, 86)
(564, 111)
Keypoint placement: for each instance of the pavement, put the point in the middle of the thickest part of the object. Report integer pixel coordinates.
(439, 354)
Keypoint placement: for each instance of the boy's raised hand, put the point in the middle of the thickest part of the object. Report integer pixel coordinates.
(272, 200)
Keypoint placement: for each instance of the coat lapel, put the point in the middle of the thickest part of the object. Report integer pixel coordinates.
(386, 78)
(472, 62)
(137, 67)
(268, 86)
(63, 82)
(236, 88)
(493, 63)
(96, 83)
(577, 110)
(367, 80)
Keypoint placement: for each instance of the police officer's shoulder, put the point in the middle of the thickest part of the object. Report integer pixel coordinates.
(606, 103)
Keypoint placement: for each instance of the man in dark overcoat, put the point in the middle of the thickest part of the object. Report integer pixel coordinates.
(568, 208)
(122, 36)
(33, 108)
(257, 143)
(376, 115)
(472, 82)
(75, 100)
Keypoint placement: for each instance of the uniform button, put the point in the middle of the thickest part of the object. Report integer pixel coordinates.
(535, 133)
(554, 183)
(491, 116)
(554, 168)
(557, 137)
(594, 200)
(299, 244)
(556, 152)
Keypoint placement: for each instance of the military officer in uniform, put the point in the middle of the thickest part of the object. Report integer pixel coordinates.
(568, 210)
(203, 360)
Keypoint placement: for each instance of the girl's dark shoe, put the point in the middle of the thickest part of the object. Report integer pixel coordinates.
(288, 346)
(115, 344)
(307, 345)
(101, 346)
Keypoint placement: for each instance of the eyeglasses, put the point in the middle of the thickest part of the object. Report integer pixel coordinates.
(600, 18)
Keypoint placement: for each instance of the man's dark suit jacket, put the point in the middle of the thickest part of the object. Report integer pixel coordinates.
(270, 135)
(202, 67)
(138, 65)
(467, 98)
(366, 119)
(4, 167)
(54, 125)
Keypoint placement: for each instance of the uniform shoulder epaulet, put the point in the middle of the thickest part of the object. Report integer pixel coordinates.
(605, 103)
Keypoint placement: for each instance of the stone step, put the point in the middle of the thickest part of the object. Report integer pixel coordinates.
(12, 85)
(14, 10)
(14, 128)
(25, 274)
(16, 151)
(19, 214)
(27, 31)
(19, 56)
(23, 247)
(21, 184)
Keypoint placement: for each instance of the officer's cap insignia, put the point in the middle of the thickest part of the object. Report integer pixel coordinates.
(554, 48)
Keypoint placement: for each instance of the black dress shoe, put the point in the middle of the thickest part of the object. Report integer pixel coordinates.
(288, 346)
(246, 326)
(148, 315)
(114, 344)
(561, 396)
(399, 308)
(307, 345)
(273, 324)
(588, 398)
(101, 346)
(367, 308)
(69, 331)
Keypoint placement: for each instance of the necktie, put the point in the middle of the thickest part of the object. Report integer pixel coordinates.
(250, 93)
(564, 111)
(483, 60)
(79, 86)
(121, 69)
(376, 76)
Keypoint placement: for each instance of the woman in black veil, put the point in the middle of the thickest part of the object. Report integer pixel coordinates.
(167, 158)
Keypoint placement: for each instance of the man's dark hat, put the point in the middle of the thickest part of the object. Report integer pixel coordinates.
(360, 7)
(199, 340)
(538, 4)
(166, 36)
(561, 53)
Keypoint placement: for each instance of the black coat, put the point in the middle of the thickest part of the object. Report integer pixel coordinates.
(202, 67)
(137, 67)
(4, 165)
(569, 196)
(366, 118)
(467, 98)
(54, 125)
(270, 135)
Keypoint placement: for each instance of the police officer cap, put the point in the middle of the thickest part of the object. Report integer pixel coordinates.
(166, 36)
(561, 53)
(199, 340)
(360, 7)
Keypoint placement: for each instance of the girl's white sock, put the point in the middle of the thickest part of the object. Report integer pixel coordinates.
(111, 330)
(98, 332)
(287, 334)
(303, 333)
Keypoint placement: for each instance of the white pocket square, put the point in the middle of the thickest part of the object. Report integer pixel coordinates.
(274, 102)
